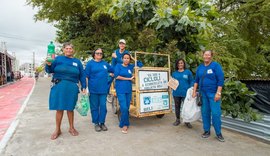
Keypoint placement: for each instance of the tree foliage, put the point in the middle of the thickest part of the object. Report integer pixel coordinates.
(237, 30)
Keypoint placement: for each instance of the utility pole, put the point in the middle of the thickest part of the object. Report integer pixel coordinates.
(34, 67)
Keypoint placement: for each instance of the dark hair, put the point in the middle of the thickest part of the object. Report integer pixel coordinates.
(94, 52)
(177, 61)
(126, 54)
(208, 51)
(67, 44)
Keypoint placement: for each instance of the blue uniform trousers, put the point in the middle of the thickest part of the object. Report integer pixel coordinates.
(211, 109)
(98, 108)
(124, 102)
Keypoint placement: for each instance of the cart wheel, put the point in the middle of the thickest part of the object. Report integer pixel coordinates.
(119, 115)
(160, 116)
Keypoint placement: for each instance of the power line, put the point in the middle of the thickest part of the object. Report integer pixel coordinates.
(20, 38)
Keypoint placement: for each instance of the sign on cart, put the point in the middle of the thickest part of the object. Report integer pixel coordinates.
(153, 80)
(154, 101)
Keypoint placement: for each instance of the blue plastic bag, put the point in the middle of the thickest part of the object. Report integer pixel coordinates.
(83, 105)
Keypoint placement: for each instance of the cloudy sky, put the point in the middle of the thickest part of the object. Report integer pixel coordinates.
(21, 33)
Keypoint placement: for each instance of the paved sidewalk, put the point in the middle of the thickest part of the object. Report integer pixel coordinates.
(12, 97)
(146, 136)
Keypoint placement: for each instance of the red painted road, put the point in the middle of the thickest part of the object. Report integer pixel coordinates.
(11, 99)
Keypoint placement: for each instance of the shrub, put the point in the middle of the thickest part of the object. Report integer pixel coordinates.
(237, 100)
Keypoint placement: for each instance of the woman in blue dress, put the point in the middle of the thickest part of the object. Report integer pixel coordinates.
(67, 72)
(96, 73)
(185, 79)
(123, 85)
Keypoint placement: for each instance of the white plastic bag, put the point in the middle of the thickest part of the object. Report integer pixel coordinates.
(190, 111)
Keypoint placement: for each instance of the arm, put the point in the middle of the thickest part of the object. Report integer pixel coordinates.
(117, 76)
(114, 59)
(190, 79)
(114, 62)
(124, 78)
(220, 82)
(110, 68)
(82, 76)
(195, 86)
(194, 94)
(139, 64)
(87, 70)
(49, 68)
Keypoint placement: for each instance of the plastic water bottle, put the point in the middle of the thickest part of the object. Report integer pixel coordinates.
(51, 52)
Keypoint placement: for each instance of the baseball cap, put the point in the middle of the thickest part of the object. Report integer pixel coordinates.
(122, 41)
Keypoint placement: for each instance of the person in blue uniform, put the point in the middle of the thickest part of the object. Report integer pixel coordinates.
(96, 73)
(185, 79)
(117, 58)
(118, 54)
(123, 74)
(67, 73)
(210, 80)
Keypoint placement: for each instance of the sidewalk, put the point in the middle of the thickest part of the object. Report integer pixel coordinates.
(146, 136)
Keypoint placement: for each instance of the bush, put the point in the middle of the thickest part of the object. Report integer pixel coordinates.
(237, 100)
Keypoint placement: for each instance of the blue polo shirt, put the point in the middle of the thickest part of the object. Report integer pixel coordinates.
(65, 68)
(97, 74)
(124, 86)
(185, 80)
(118, 59)
(213, 78)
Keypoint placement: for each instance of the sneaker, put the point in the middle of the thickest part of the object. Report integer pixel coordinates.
(177, 122)
(206, 134)
(103, 127)
(220, 138)
(97, 128)
(188, 125)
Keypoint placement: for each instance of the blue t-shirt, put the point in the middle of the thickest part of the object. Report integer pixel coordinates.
(124, 86)
(185, 80)
(213, 78)
(97, 74)
(65, 68)
(118, 59)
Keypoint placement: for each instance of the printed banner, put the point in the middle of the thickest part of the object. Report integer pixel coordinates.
(150, 102)
(153, 80)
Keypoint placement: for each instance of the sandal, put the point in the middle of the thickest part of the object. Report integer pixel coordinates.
(124, 130)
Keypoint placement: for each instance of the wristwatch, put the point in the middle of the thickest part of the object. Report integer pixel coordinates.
(219, 93)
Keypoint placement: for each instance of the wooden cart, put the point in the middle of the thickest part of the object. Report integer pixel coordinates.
(151, 95)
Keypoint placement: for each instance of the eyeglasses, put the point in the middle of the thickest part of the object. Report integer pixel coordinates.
(99, 53)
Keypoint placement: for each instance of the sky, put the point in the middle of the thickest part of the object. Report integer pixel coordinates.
(22, 34)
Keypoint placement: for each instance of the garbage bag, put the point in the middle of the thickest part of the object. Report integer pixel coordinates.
(190, 111)
(83, 105)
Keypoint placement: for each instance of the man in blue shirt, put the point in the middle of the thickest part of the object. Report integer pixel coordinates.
(117, 58)
(119, 53)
